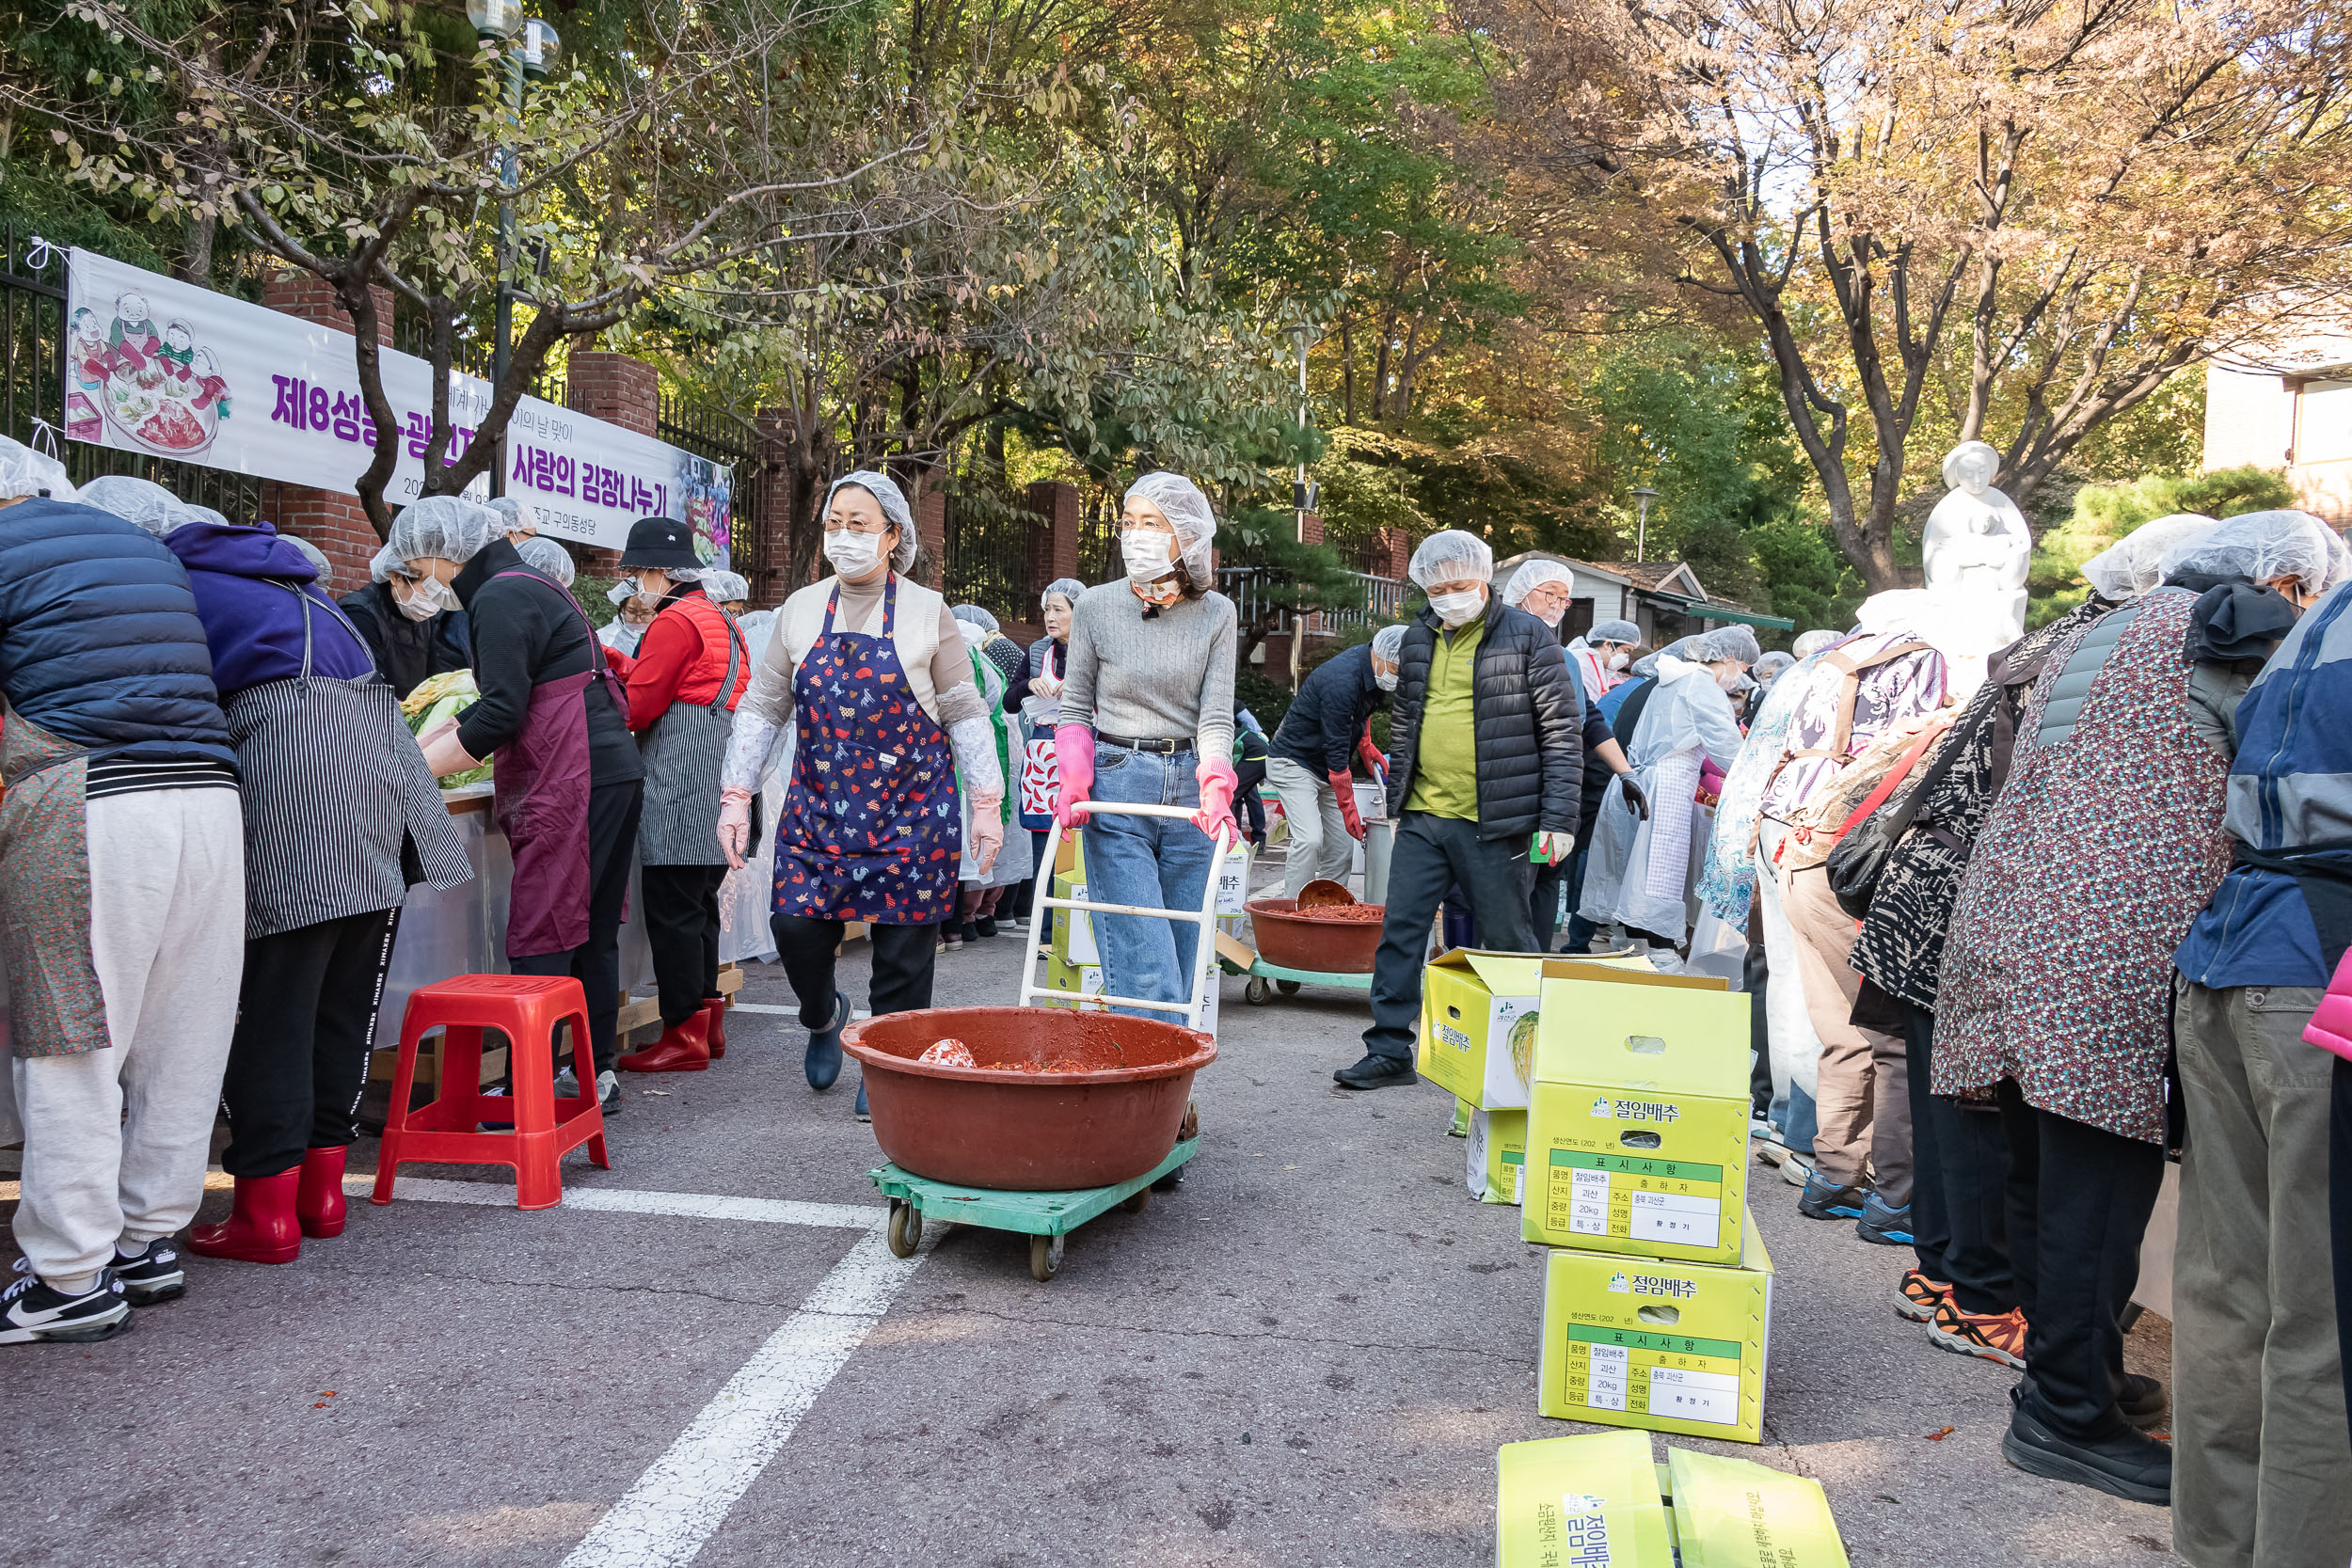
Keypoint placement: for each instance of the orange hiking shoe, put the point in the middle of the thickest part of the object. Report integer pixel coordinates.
(1917, 1296)
(1994, 1336)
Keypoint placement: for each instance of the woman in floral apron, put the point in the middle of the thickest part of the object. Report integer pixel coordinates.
(872, 672)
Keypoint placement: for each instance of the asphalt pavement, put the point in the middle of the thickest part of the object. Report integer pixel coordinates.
(1307, 1355)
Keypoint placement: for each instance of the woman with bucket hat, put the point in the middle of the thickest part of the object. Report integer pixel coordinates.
(689, 671)
(871, 671)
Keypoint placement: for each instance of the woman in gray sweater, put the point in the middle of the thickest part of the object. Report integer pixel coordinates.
(1147, 718)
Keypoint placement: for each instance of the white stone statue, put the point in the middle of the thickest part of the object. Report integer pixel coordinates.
(1977, 546)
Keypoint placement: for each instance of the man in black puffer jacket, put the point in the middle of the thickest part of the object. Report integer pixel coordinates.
(1486, 763)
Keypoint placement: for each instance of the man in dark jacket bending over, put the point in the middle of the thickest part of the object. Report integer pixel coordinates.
(1309, 762)
(1486, 763)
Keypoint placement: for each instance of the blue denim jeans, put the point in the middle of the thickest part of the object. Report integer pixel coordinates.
(1150, 861)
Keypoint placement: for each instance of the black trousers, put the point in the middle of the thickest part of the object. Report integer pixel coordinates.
(2079, 1199)
(1434, 855)
(305, 1020)
(904, 958)
(1755, 978)
(682, 928)
(612, 810)
(1542, 905)
(1960, 1184)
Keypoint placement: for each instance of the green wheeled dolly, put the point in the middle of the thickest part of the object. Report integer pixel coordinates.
(1046, 1218)
(1265, 979)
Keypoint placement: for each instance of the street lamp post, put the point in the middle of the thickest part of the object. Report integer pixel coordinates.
(1300, 501)
(1642, 496)
(531, 55)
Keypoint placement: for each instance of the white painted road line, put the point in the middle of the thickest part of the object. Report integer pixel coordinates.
(683, 1499)
(618, 1200)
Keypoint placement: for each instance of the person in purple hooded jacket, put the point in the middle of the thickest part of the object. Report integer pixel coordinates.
(341, 818)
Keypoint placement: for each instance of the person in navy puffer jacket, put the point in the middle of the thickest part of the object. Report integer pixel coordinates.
(121, 901)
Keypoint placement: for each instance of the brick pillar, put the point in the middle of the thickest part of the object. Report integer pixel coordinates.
(619, 389)
(1398, 547)
(775, 427)
(931, 529)
(333, 519)
(1310, 528)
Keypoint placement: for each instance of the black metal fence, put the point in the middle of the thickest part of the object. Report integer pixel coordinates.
(724, 436)
(1099, 556)
(988, 556)
(32, 399)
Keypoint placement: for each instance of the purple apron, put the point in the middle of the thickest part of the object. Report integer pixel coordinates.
(871, 830)
(542, 805)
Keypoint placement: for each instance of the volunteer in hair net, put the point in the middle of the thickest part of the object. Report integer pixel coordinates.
(728, 590)
(1486, 766)
(1602, 656)
(1543, 588)
(2060, 992)
(627, 629)
(521, 522)
(870, 667)
(548, 558)
(122, 889)
(1147, 718)
(981, 894)
(412, 629)
(690, 669)
(135, 500)
(569, 772)
(2257, 1346)
(1311, 760)
(1035, 692)
(1638, 871)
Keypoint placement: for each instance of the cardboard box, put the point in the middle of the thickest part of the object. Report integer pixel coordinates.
(1473, 1000)
(1637, 1129)
(1498, 1156)
(1732, 1514)
(1667, 1346)
(1459, 1126)
(1581, 1502)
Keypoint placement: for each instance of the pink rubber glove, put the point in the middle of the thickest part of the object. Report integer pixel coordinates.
(1073, 755)
(1218, 784)
(735, 825)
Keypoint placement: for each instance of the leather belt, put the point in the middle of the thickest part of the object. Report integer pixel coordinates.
(1164, 748)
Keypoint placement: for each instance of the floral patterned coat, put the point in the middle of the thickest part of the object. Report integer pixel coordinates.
(2107, 842)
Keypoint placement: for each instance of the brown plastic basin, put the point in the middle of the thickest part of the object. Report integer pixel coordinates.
(1291, 941)
(1001, 1128)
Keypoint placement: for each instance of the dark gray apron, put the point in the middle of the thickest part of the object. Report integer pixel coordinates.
(333, 784)
(683, 752)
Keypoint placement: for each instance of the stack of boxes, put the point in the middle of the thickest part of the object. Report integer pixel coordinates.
(1612, 1103)
(1075, 961)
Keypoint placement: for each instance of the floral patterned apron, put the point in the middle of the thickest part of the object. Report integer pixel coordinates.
(872, 829)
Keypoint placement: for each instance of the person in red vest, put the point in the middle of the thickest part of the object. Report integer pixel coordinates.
(690, 669)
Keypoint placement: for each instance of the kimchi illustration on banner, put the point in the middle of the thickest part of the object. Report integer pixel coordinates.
(159, 388)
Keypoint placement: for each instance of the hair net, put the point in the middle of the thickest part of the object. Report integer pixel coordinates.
(1533, 575)
(547, 556)
(191, 512)
(25, 472)
(1614, 632)
(1732, 642)
(726, 586)
(519, 517)
(893, 504)
(2261, 547)
(1181, 502)
(384, 564)
(2128, 567)
(311, 553)
(1389, 642)
(1068, 588)
(446, 528)
(1771, 665)
(974, 614)
(135, 500)
(1449, 554)
(1814, 642)
(1684, 647)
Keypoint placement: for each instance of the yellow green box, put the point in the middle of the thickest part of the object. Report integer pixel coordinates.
(1637, 1125)
(1667, 1346)
(1731, 1514)
(1472, 999)
(1498, 1156)
(1581, 1502)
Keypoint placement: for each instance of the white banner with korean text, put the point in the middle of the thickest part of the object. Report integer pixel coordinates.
(173, 371)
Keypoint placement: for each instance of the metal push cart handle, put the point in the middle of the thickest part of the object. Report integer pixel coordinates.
(1204, 955)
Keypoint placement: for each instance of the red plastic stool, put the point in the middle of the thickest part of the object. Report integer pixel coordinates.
(526, 1009)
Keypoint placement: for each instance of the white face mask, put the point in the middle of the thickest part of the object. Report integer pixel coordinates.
(417, 604)
(1620, 659)
(1384, 678)
(1456, 609)
(1150, 553)
(852, 554)
(1553, 617)
(1730, 676)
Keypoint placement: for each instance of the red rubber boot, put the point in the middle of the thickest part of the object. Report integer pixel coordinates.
(319, 1198)
(715, 1017)
(260, 1228)
(682, 1047)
